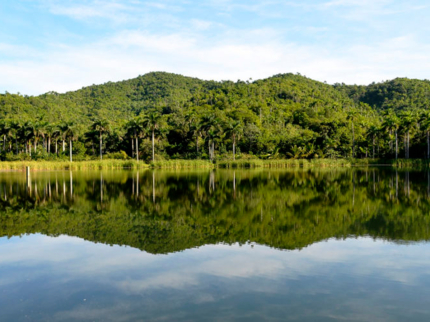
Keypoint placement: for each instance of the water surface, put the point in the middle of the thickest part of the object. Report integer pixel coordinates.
(251, 245)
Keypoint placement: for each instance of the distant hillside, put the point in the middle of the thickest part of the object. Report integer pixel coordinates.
(398, 94)
(158, 89)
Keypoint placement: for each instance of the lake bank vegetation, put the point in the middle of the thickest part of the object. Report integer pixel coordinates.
(163, 118)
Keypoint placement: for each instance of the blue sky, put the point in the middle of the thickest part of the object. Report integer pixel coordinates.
(64, 45)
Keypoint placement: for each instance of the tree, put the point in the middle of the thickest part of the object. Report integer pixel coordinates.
(15, 127)
(391, 124)
(4, 133)
(152, 122)
(101, 126)
(194, 126)
(68, 133)
(50, 131)
(64, 128)
(134, 129)
(408, 123)
(210, 124)
(373, 132)
(235, 130)
(425, 126)
(352, 117)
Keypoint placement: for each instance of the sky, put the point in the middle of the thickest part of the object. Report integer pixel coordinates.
(52, 45)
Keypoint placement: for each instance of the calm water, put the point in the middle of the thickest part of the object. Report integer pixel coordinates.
(327, 245)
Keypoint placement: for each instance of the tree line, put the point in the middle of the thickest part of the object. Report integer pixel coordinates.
(165, 116)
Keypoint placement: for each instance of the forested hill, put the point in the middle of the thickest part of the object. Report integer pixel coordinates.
(398, 94)
(128, 98)
(287, 115)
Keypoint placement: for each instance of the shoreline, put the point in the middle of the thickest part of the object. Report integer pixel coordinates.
(11, 166)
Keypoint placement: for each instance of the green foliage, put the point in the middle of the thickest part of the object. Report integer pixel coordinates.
(161, 116)
(121, 155)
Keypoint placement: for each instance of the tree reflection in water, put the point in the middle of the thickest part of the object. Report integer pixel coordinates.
(163, 212)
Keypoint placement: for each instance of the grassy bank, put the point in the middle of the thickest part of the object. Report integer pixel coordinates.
(289, 163)
(78, 165)
(205, 164)
(182, 164)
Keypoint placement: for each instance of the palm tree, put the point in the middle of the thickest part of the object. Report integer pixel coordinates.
(209, 124)
(194, 127)
(352, 116)
(134, 131)
(38, 132)
(391, 124)
(152, 122)
(4, 132)
(15, 127)
(7, 134)
(27, 133)
(50, 130)
(373, 132)
(408, 121)
(91, 137)
(68, 132)
(101, 126)
(63, 128)
(55, 136)
(235, 130)
(425, 125)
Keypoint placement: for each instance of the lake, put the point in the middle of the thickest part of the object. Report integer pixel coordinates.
(224, 245)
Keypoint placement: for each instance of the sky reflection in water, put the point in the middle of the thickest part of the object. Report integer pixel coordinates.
(377, 278)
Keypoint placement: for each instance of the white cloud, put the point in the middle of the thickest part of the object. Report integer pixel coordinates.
(212, 49)
(261, 53)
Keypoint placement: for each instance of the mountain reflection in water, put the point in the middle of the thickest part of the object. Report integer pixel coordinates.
(168, 211)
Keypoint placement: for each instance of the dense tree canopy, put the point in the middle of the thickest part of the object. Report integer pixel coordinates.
(285, 115)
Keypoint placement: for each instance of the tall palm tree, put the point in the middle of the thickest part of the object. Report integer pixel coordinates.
(134, 131)
(63, 128)
(4, 133)
(38, 132)
(27, 133)
(68, 133)
(194, 126)
(235, 130)
(152, 122)
(91, 137)
(50, 130)
(391, 125)
(374, 132)
(408, 122)
(425, 126)
(101, 126)
(56, 135)
(352, 117)
(15, 127)
(7, 135)
(209, 124)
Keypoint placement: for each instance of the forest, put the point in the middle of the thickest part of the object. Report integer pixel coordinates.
(163, 116)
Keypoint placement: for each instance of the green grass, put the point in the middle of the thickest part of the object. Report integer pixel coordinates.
(182, 164)
(76, 165)
(205, 164)
(285, 163)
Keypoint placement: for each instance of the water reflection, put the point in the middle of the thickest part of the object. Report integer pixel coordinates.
(163, 212)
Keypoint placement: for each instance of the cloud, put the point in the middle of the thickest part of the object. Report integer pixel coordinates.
(261, 53)
(329, 43)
